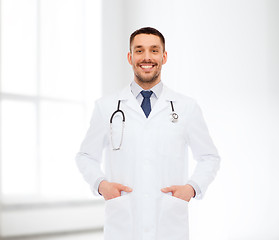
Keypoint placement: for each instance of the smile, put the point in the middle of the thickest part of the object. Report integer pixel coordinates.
(146, 67)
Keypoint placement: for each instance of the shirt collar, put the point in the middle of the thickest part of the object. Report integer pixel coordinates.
(136, 89)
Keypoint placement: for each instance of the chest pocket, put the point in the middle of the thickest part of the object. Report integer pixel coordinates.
(171, 138)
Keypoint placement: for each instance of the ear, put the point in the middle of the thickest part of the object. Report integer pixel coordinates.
(129, 57)
(165, 57)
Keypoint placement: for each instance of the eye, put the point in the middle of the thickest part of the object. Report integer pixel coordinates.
(155, 51)
(138, 51)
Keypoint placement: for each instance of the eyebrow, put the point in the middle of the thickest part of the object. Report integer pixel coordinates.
(153, 46)
(139, 46)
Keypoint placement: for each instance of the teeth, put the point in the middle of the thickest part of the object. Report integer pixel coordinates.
(146, 66)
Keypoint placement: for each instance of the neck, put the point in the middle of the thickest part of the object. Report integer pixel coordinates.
(147, 85)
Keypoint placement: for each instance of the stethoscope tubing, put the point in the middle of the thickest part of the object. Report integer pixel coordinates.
(173, 115)
(118, 110)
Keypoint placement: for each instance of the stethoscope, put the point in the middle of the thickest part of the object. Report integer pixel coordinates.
(173, 118)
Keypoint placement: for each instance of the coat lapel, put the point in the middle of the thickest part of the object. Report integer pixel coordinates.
(163, 102)
(127, 97)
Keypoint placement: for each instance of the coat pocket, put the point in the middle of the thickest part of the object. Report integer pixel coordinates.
(173, 219)
(118, 219)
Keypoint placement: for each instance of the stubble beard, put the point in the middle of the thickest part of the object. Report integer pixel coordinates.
(151, 79)
(147, 80)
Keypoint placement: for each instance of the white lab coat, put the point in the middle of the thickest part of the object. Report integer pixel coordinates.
(153, 155)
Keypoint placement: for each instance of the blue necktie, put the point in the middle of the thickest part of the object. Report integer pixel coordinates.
(145, 105)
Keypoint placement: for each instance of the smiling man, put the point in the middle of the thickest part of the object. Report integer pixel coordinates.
(146, 130)
(147, 55)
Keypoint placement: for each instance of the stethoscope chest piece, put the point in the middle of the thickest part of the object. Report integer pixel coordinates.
(174, 117)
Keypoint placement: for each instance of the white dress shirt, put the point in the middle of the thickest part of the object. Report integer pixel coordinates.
(157, 90)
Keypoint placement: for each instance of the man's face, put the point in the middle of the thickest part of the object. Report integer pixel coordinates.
(147, 57)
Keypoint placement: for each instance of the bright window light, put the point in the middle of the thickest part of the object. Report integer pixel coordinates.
(19, 46)
(50, 78)
(19, 165)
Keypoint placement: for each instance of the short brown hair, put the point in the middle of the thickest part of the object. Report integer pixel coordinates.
(147, 30)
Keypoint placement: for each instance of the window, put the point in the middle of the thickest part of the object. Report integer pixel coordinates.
(50, 77)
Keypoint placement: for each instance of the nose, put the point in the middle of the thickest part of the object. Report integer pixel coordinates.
(147, 56)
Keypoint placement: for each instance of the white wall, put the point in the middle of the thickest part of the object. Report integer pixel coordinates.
(225, 54)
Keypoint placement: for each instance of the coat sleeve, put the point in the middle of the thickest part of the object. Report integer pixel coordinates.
(89, 157)
(204, 151)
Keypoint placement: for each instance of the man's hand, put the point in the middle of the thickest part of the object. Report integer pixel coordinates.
(111, 190)
(184, 192)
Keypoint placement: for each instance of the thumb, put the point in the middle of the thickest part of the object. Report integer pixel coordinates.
(124, 188)
(167, 189)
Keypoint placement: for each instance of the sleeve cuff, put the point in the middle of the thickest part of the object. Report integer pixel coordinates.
(196, 188)
(95, 187)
